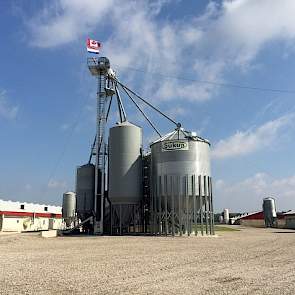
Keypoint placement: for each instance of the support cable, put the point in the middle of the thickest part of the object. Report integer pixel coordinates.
(212, 83)
(142, 112)
(126, 89)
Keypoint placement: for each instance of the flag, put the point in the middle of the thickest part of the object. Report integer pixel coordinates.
(93, 46)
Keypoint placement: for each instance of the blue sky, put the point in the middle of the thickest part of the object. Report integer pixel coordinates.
(47, 96)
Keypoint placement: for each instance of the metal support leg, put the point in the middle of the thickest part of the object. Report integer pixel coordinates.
(180, 207)
(160, 205)
(201, 204)
(206, 203)
(186, 202)
(120, 219)
(166, 204)
(172, 205)
(211, 199)
(194, 203)
(111, 221)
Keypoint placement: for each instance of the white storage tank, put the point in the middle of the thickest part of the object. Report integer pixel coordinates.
(125, 164)
(69, 207)
(226, 216)
(269, 211)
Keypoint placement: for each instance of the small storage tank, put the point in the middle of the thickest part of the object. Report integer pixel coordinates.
(226, 216)
(85, 190)
(269, 211)
(125, 164)
(69, 207)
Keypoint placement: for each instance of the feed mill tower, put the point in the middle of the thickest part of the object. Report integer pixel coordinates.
(164, 191)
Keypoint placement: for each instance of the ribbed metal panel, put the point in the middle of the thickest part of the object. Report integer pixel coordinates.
(125, 164)
(194, 159)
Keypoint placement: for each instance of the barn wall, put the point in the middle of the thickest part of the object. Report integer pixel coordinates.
(25, 224)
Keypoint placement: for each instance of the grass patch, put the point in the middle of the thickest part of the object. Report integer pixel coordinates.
(225, 228)
(218, 228)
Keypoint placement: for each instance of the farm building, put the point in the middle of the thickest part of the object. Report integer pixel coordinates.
(22, 217)
(256, 219)
(290, 219)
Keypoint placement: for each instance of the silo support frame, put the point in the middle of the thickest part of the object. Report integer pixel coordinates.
(120, 223)
(201, 204)
(182, 205)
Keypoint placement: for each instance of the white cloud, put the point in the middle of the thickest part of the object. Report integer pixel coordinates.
(246, 195)
(252, 140)
(7, 110)
(53, 183)
(65, 21)
(227, 35)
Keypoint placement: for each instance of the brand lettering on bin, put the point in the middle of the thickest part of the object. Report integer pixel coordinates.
(174, 145)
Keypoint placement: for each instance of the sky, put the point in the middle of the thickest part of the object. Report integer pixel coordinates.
(224, 69)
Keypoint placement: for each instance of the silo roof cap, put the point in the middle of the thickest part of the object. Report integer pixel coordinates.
(180, 134)
(125, 123)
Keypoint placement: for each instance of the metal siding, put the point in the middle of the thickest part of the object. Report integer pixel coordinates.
(194, 161)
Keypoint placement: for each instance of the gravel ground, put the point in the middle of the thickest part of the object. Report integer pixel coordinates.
(251, 261)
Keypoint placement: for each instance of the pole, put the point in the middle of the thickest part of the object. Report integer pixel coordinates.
(160, 204)
(211, 198)
(166, 204)
(194, 203)
(206, 203)
(201, 204)
(186, 201)
(179, 205)
(172, 204)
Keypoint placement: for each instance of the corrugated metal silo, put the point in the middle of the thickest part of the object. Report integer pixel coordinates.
(85, 183)
(69, 207)
(180, 171)
(269, 211)
(181, 155)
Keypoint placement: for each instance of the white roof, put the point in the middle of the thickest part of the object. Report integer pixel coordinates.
(291, 212)
(28, 207)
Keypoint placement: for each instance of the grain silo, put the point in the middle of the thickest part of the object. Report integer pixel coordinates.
(125, 175)
(269, 212)
(181, 184)
(85, 183)
(226, 216)
(69, 208)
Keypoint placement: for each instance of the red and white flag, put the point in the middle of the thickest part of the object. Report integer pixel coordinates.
(93, 46)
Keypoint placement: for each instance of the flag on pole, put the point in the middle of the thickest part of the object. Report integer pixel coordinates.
(93, 46)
